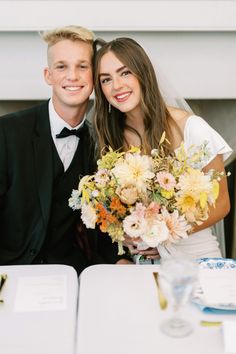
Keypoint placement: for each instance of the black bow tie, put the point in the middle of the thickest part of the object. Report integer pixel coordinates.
(67, 132)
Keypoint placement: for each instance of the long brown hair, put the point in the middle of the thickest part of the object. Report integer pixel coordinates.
(110, 126)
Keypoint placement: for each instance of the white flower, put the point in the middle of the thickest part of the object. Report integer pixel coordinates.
(176, 224)
(134, 170)
(155, 152)
(88, 216)
(128, 194)
(156, 233)
(74, 200)
(134, 226)
(199, 156)
(195, 181)
(102, 177)
(95, 193)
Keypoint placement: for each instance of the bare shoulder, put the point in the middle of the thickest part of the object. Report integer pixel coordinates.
(177, 124)
(180, 116)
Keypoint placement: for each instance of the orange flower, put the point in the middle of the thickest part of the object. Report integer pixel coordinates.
(112, 219)
(105, 218)
(116, 206)
(103, 225)
(102, 211)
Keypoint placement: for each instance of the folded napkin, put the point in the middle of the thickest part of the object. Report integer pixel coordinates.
(216, 291)
(213, 310)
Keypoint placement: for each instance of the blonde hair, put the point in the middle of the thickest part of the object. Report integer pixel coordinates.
(73, 33)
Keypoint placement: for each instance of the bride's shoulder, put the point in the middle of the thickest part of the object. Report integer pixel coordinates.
(180, 116)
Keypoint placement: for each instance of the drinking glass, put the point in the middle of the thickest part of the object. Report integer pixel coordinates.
(177, 278)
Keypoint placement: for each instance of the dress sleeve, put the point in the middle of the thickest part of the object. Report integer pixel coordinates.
(197, 131)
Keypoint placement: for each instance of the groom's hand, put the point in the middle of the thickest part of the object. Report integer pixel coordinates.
(150, 253)
(131, 243)
(124, 261)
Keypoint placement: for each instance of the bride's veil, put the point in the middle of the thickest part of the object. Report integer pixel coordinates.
(170, 94)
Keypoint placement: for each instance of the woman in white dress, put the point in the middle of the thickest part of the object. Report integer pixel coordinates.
(130, 110)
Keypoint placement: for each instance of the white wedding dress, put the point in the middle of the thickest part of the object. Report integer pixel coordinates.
(202, 243)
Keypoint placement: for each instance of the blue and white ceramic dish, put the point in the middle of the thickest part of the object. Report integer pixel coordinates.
(213, 263)
(217, 263)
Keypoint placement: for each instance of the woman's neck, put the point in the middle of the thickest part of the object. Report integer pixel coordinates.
(134, 137)
(136, 122)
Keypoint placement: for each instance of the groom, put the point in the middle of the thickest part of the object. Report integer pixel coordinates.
(43, 152)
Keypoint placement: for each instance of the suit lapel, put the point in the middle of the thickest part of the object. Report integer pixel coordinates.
(42, 144)
(86, 153)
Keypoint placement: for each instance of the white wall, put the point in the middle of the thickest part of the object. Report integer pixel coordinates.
(193, 41)
(107, 15)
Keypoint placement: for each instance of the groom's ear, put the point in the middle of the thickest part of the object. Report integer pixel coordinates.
(47, 75)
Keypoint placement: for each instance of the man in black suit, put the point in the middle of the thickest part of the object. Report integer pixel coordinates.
(43, 153)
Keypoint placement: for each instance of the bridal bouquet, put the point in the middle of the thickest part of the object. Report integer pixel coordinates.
(153, 198)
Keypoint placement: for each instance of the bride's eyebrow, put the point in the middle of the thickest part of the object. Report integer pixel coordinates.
(103, 74)
(117, 71)
(121, 68)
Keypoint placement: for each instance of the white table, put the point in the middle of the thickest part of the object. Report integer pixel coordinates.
(119, 314)
(47, 326)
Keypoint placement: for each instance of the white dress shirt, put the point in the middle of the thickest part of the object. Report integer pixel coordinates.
(66, 147)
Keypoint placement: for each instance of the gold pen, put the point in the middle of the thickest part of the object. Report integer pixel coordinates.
(3, 278)
(210, 323)
(162, 300)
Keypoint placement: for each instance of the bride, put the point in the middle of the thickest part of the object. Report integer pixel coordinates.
(130, 110)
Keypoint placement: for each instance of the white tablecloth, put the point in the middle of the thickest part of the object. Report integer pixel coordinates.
(41, 331)
(119, 314)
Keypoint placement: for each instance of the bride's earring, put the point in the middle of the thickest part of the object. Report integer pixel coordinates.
(109, 108)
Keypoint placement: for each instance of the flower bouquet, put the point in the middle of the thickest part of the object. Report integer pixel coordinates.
(156, 198)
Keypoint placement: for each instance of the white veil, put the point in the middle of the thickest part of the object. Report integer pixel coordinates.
(170, 94)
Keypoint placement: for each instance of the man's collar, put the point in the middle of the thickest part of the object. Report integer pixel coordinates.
(57, 123)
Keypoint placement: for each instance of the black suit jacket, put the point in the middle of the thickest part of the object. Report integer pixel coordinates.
(26, 178)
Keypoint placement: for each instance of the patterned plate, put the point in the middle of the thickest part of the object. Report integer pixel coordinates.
(217, 263)
(213, 263)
